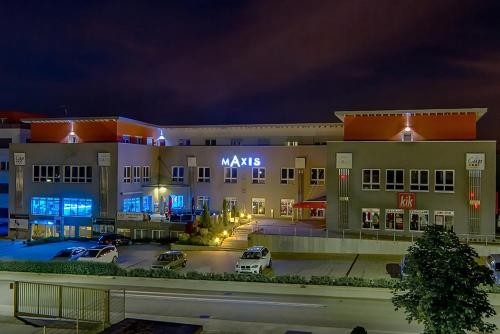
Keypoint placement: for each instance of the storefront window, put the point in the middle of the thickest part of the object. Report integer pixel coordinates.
(286, 207)
(394, 219)
(201, 201)
(85, 232)
(419, 220)
(132, 204)
(370, 219)
(444, 220)
(317, 213)
(147, 203)
(258, 206)
(81, 207)
(69, 231)
(49, 206)
(124, 231)
(177, 201)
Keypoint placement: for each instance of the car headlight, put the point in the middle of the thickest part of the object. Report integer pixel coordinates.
(255, 266)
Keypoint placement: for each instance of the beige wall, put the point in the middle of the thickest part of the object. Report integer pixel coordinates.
(413, 155)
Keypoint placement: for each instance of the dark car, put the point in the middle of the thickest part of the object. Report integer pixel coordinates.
(170, 260)
(114, 239)
(69, 254)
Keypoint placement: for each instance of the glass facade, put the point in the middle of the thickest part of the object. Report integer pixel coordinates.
(80, 207)
(177, 201)
(49, 206)
(132, 204)
(147, 204)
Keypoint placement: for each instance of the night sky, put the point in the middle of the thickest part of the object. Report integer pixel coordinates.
(219, 62)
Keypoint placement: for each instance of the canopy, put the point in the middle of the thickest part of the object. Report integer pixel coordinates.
(310, 205)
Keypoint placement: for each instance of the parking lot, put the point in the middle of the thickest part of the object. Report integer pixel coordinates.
(142, 256)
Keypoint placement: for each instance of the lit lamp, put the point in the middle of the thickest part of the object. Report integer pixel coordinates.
(217, 240)
(224, 233)
(249, 216)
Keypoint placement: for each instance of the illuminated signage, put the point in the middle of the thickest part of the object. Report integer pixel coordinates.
(240, 162)
(406, 200)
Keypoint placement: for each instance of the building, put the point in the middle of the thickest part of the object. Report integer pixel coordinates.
(398, 171)
(380, 171)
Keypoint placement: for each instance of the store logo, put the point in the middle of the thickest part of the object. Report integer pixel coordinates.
(406, 200)
(474, 161)
(239, 162)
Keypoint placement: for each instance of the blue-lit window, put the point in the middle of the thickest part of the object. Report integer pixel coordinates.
(147, 204)
(177, 201)
(132, 204)
(49, 206)
(81, 207)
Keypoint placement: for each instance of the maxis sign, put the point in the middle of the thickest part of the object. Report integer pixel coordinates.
(406, 201)
(236, 161)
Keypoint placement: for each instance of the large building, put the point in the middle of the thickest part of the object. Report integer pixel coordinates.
(80, 176)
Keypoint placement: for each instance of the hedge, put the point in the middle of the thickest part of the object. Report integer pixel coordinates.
(111, 269)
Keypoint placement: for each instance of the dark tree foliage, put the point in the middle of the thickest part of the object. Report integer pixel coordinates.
(441, 287)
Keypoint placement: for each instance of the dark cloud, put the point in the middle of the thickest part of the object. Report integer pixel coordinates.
(248, 61)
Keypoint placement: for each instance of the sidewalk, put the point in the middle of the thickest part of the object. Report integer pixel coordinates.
(11, 325)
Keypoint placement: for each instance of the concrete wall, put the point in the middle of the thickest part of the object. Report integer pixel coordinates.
(273, 158)
(413, 155)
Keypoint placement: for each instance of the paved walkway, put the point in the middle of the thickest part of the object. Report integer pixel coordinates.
(239, 239)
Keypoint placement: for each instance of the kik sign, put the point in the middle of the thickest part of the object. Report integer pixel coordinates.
(406, 200)
(241, 161)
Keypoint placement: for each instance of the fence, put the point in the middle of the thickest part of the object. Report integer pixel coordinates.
(305, 231)
(78, 308)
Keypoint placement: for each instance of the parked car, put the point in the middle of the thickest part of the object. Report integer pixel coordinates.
(69, 254)
(493, 263)
(114, 239)
(402, 266)
(102, 253)
(254, 260)
(170, 260)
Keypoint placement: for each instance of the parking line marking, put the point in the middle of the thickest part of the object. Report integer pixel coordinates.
(352, 265)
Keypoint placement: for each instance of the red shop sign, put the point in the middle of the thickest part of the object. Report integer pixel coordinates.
(406, 200)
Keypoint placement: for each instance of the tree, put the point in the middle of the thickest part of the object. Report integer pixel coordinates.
(205, 217)
(441, 287)
(224, 212)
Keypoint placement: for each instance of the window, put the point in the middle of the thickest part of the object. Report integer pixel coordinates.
(126, 174)
(444, 220)
(84, 232)
(317, 176)
(292, 143)
(236, 142)
(210, 142)
(157, 234)
(287, 175)
(77, 174)
(123, 231)
(69, 231)
(146, 173)
(230, 174)
(138, 140)
(258, 206)
(42, 173)
(371, 179)
(201, 201)
(419, 180)
(177, 201)
(147, 203)
(231, 203)
(286, 207)
(48, 206)
(419, 219)
(137, 174)
(394, 179)
(149, 140)
(4, 165)
(370, 219)
(394, 219)
(132, 204)
(140, 233)
(317, 213)
(177, 174)
(72, 139)
(81, 207)
(125, 139)
(259, 175)
(184, 142)
(203, 174)
(444, 181)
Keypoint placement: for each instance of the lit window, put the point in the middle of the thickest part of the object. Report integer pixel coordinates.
(394, 219)
(177, 174)
(419, 219)
(259, 175)
(444, 181)
(371, 179)
(394, 179)
(132, 204)
(317, 213)
(203, 174)
(444, 220)
(286, 207)
(177, 201)
(230, 174)
(147, 203)
(149, 140)
(258, 206)
(317, 176)
(80, 207)
(49, 206)
(287, 175)
(201, 201)
(370, 219)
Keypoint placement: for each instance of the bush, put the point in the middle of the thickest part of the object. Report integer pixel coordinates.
(71, 267)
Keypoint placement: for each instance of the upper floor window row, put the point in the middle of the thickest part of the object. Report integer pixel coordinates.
(444, 180)
(135, 174)
(52, 174)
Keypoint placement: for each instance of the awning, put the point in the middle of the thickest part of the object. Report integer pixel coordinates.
(310, 205)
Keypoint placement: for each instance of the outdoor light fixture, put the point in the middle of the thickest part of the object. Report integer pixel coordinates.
(407, 129)
(217, 240)
(249, 216)
(224, 233)
(161, 136)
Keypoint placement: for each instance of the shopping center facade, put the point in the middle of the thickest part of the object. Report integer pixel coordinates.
(80, 176)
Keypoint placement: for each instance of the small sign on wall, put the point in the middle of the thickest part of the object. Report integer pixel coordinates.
(18, 224)
(130, 216)
(19, 159)
(406, 201)
(104, 159)
(344, 160)
(474, 161)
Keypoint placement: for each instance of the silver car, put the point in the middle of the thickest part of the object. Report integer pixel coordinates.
(170, 260)
(493, 263)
